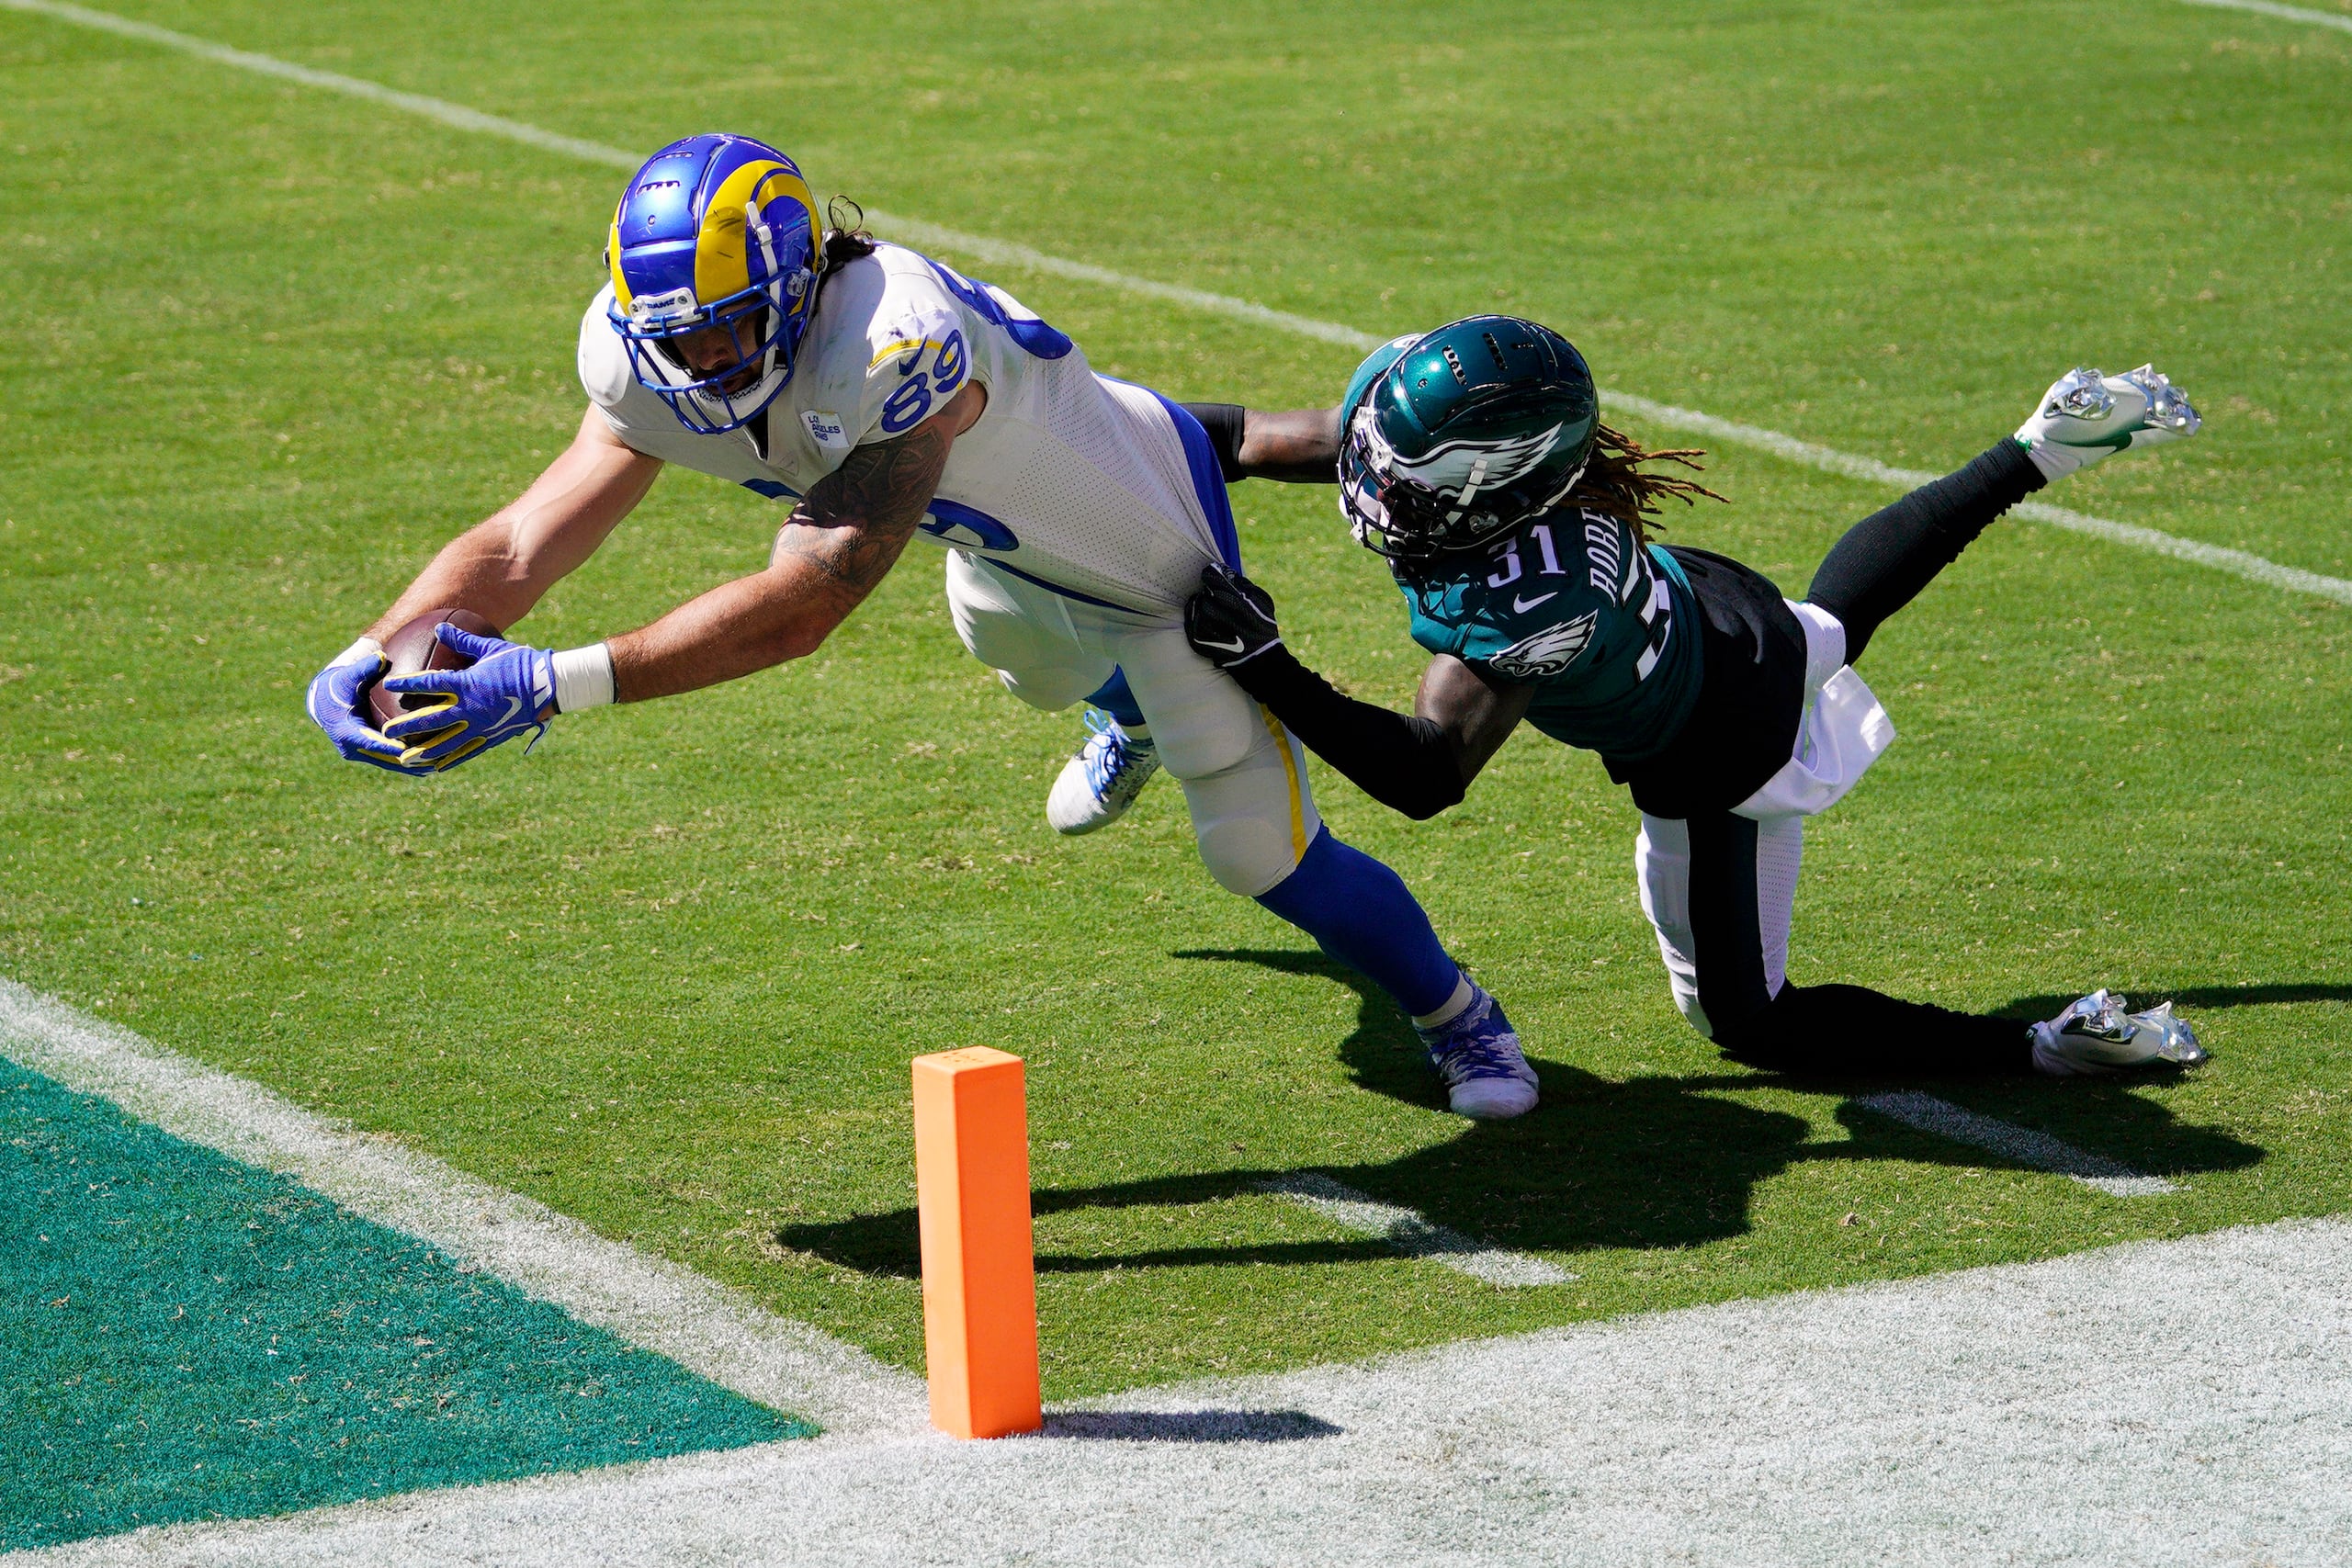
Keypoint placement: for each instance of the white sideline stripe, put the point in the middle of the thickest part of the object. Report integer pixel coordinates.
(1411, 1233)
(1828, 459)
(697, 1323)
(2285, 13)
(2171, 1401)
(448, 113)
(2241, 563)
(2040, 1150)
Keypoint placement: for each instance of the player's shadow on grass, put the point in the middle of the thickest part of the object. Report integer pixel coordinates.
(1649, 1162)
(1643, 1164)
(1646, 1163)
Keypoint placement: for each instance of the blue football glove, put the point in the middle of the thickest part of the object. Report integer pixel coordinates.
(333, 702)
(508, 689)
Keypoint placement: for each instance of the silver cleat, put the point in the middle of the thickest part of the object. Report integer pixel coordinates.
(2081, 393)
(2098, 1034)
(2088, 415)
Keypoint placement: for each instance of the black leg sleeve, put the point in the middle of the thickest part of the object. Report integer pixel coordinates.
(1884, 560)
(1852, 1031)
(1726, 923)
(1831, 1030)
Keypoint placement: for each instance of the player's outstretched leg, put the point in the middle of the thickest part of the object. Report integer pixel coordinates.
(1118, 757)
(1883, 562)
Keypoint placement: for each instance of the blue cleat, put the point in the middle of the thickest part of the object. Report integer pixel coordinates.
(1096, 787)
(1477, 1058)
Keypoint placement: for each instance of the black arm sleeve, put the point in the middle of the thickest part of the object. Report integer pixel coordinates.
(1408, 764)
(1223, 422)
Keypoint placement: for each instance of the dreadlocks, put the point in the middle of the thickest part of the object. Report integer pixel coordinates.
(848, 239)
(1614, 482)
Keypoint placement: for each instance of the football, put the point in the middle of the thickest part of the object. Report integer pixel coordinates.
(415, 648)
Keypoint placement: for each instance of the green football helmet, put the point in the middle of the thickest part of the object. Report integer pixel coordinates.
(1476, 427)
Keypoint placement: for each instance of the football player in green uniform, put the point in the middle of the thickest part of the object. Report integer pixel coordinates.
(1474, 459)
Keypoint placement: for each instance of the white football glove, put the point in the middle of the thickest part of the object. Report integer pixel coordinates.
(2087, 414)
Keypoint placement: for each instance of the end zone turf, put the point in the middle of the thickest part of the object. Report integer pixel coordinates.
(185, 1338)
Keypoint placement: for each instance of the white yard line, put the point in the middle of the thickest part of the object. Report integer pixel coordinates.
(701, 1325)
(2336, 20)
(2040, 1150)
(1002, 252)
(2163, 1401)
(1412, 1232)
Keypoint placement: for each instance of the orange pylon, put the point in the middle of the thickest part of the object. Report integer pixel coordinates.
(979, 1279)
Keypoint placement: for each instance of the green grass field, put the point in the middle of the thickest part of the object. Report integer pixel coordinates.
(268, 346)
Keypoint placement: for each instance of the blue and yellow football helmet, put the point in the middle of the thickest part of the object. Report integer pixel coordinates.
(714, 231)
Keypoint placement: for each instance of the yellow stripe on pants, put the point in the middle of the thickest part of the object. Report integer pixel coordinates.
(1290, 769)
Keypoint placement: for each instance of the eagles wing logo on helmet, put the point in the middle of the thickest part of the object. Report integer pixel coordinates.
(1465, 468)
(1548, 652)
(1468, 432)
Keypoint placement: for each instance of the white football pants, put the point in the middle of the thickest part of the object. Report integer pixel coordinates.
(1244, 775)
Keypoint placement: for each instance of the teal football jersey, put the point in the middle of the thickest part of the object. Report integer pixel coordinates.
(1605, 627)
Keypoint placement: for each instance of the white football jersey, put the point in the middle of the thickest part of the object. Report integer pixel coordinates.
(1092, 487)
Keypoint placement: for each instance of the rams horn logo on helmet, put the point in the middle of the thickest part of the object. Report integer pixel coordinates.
(687, 280)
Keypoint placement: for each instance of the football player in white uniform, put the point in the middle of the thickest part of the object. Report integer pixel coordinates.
(884, 397)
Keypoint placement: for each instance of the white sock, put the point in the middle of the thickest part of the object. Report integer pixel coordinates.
(2053, 461)
(1454, 1007)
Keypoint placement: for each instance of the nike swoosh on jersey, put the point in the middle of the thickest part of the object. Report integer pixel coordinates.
(1236, 646)
(1521, 607)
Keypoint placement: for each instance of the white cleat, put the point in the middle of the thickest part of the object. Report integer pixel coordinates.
(1476, 1056)
(2096, 1035)
(2087, 414)
(1096, 787)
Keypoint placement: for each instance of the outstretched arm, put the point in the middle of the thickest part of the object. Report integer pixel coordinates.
(1418, 765)
(839, 543)
(1301, 446)
(501, 567)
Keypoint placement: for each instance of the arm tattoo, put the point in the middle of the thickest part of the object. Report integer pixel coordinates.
(856, 520)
